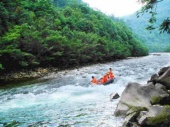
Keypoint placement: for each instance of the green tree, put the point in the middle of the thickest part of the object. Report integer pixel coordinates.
(60, 33)
(151, 7)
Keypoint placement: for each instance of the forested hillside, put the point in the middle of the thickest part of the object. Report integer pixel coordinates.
(155, 41)
(59, 33)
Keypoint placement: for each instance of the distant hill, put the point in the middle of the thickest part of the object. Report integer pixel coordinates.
(155, 41)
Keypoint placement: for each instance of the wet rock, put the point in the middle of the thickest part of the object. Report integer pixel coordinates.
(25, 75)
(154, 78)
(163, 70)
(114, 96)
(136, 95)
(155, 92)
(165, 79)
(156, 116)
(155, 110)
(131, 118)
(160, 86)
(121, 109)
(142, 118)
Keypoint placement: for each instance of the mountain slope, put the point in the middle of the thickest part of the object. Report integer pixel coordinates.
(39, 34)
(155, 41)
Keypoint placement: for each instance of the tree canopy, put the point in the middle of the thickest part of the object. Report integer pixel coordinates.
(60, 33)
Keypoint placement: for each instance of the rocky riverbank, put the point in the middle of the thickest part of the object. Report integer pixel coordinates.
(147, 105)
(26, 75)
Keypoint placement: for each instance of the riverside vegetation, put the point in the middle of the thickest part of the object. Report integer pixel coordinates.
(62, 34)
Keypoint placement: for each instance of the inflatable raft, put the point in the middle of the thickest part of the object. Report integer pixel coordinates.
(109, 81)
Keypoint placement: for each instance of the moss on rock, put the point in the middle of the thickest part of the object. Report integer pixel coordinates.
(155, 100)
(133, 109)
(161, 118)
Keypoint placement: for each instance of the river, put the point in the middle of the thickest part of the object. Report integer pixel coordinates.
(65, 99)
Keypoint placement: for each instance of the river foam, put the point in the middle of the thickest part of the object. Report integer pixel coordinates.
(67, 99)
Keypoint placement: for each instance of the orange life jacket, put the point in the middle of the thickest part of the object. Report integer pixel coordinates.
(105, 78)
(94, 80)
(111, 75)
(101, 81)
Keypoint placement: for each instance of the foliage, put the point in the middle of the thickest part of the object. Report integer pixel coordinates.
(167, 49)
(60, 33)
(1, 67)
(155, 41)
(151, 7)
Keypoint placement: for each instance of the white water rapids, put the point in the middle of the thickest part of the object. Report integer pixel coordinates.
(67, 100)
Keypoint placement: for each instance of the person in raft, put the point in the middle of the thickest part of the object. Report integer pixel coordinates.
(108, 76)
(110, 73)
(101, 81)
(104, 79)
(94, 80)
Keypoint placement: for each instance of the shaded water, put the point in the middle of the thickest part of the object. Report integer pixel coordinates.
(67, 100)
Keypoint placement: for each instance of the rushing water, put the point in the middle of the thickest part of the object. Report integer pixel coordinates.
(67, 100)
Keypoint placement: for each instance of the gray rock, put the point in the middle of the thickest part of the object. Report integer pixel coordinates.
(163, 70)
(121, 109)
(165, 79)
(154, 78)
(136, 102)
(160, 86)
(125, 124)
(136, 95)
(154, 110)
(142, 118)
(156, 116)
(131, 117)
(114, 96)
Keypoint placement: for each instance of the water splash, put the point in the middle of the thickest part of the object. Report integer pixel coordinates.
(71, 101)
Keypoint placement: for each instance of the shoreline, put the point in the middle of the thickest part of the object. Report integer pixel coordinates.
(33, 74)
(25, 75)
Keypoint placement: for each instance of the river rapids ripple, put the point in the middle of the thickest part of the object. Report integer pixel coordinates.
(66, 99)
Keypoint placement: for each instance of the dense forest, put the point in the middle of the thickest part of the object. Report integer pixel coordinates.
(153, 39)
(60, 33)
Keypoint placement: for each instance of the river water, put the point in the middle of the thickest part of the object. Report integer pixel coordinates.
(65, 99)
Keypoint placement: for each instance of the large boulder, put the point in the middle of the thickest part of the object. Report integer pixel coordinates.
(137, 102)
(136, 95)
(157, 116)
(163, 70)
(154, 78)
(165, 79)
